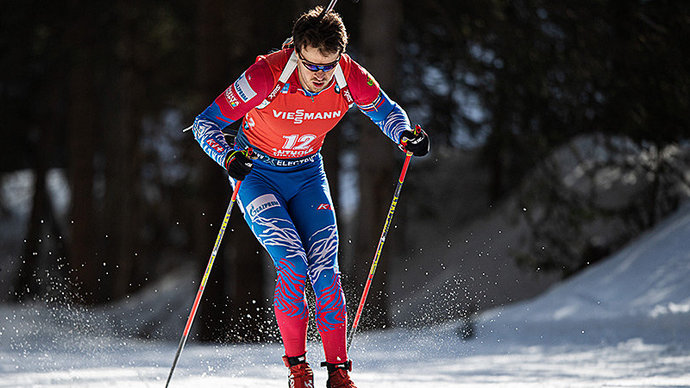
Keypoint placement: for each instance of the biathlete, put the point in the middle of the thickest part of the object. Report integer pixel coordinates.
(288, 100)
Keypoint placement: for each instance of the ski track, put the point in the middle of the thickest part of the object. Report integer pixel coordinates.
(622, 323)
(397, 358)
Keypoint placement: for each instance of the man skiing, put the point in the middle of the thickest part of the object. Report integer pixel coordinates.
(288, 100)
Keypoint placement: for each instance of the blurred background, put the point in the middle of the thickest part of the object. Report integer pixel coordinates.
(559, 132)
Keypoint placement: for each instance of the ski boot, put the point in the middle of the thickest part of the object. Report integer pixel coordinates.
(301, 375)
(338, 376)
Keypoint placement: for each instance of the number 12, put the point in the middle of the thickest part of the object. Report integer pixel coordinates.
(297, 142)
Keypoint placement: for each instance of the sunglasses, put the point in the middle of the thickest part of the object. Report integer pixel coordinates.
(314, 67)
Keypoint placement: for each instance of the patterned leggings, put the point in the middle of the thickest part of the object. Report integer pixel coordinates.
(290, 211)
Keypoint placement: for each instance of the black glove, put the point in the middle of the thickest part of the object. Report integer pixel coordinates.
(416, 142)
(238, 164)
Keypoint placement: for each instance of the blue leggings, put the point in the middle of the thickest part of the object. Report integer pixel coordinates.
(291, 213)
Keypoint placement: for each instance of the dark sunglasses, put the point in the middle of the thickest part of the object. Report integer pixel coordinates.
(314, 67)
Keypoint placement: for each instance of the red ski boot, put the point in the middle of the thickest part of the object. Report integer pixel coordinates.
(338, 376)
(301, 375)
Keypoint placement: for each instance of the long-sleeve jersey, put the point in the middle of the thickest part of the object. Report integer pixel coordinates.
(294, 124)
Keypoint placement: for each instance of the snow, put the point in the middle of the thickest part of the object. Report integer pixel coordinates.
(624, 322)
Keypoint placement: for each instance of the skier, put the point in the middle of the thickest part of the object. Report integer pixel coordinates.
(288, 100)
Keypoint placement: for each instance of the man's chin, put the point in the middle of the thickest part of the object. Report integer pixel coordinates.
(318, 86)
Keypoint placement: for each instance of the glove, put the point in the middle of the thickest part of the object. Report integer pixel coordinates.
(416, 142)
(239, 164)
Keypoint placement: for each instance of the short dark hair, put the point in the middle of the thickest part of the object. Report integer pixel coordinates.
(324, 32)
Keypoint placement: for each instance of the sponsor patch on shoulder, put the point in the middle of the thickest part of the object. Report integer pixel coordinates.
(262, 203)
(230, 97)
(243, 89)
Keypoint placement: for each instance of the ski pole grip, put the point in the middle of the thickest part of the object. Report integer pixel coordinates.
(251, 154)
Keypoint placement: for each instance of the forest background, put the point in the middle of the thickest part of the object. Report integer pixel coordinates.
(568, 118)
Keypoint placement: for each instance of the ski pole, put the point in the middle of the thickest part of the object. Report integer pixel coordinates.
(330, 7)
(374, 264)
(221, 232)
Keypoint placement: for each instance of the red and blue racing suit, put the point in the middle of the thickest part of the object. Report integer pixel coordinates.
(286, 199)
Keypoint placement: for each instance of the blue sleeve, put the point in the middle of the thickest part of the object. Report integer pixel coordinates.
(388, 115)
(208, 131)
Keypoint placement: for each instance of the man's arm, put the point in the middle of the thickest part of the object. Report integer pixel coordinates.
(376, 104)
(240, 97)
(388, 115)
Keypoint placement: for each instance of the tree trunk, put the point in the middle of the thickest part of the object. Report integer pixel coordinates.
(376, 176)
(122, 155)
(40, 272)
(237, 279)
(27, 284)
(82, 127)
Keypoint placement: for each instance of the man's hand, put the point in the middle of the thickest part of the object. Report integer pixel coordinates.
(416, 142)
(239, 164)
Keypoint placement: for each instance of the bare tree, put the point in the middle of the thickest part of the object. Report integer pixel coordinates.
(376, 176)
(82, 140)
(236, 284)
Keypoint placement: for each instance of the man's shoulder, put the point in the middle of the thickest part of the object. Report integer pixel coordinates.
(276, 60)
(363, 86)
(354, 72)
(347, 64)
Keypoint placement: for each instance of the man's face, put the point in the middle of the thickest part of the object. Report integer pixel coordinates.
(316, 81)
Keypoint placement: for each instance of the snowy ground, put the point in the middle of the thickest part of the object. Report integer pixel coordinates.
(622, 323)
